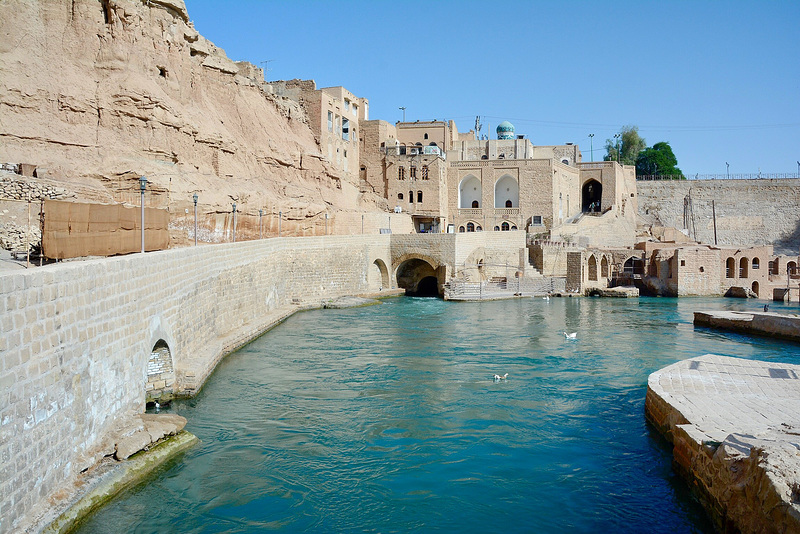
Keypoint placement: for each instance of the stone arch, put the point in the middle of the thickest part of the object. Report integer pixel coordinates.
(633, 265)
(414, 274)
(730, 268)
(506, 189)
(378, 277)
(160, 373)
(505, 227)
(469, 191)
(791, 267)
(743, 265)
(592, 268)
(754, 287)
(756, 263)
(470, 226)
(604, 267)
(591, 195)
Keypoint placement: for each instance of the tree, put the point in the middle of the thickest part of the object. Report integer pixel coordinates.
(625, 146)
(659, 159)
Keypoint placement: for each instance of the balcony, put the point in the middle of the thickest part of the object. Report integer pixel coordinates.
(470, 212)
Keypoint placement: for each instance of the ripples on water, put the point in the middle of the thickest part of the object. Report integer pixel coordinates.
(386, 419)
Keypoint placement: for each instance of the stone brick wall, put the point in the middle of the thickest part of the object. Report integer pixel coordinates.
(748, 212)
(76, 337)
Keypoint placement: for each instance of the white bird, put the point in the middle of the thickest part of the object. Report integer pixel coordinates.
(158, 406)
(497, 378)
(546, 297)
(573, 335)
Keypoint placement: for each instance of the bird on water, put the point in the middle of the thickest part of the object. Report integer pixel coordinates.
(573, 335)
(498, 378)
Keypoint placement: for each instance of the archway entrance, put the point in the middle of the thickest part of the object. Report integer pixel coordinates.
(418, 278)
(591, 196)
(160, 373)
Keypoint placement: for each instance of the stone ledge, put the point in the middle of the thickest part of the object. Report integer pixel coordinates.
(786, 326)
(735, 429)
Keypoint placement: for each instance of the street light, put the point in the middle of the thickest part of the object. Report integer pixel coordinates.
(617, 137)
(234, 222)
(195, 197)
(727, 169)
(404, 113)
(142, 186)
(591, 146)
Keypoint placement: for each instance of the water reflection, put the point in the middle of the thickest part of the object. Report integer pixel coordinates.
(387, 419)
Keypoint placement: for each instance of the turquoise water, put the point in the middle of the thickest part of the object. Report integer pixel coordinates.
(386, 419)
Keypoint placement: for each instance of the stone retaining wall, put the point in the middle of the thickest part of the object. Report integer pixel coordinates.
(76, 337)
(748, 212)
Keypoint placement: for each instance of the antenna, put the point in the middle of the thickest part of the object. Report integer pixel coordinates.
(265, 64)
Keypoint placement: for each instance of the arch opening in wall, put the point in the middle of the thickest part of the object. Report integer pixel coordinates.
(591, 196)
(756, 263)
(160, 374)
(604, 267)
(506, 192)
(730, 268)
(469, 192)
(743, 264)
(470, 227)
(754, 287)
(461, 229)
(505, 227)
(418, 278)
(378, 276)
(791, 268)
(592, 268)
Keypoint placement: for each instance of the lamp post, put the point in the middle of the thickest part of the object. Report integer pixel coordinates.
(404, 113)
(142, 186)
(195, 197)
(234, 222)
(591, 146)
(260, 213)
(617, 136)
(727, 169)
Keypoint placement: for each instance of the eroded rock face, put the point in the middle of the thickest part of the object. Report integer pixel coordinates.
(102, 92)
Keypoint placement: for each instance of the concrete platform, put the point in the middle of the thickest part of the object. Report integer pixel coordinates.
(735, 428)
(786, 326)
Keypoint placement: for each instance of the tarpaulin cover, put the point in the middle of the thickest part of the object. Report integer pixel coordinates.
(74, 230)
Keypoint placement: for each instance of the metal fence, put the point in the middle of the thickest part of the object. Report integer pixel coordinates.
(735, 176)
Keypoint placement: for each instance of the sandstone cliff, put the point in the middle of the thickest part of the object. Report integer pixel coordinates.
(96, 93)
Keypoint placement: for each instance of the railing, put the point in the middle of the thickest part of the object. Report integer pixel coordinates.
(506, 211)
(736, 176)
(470, 212)
(597, 165)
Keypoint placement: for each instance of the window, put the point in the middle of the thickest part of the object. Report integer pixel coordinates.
(424, 172)
(426, 136)
(513, 226)
(504, 226)
(508, 204)
(419, 196)
(470, 227)
(537, 220)
(346, 104)
(479, 228)
(330, 121)
(411, 197)
(355, 110)
(730, 268)
(401, 173)
(475, 204)
(496, 228)
(346, 129)
(683, 263)
(399, 196)
(743, 268)
(461, 229)
(412, 171)
(756, 263)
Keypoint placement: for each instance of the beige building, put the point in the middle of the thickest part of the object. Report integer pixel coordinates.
(333, 114)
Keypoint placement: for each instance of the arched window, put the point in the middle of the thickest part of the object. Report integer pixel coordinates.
(730, 268)
(743, 263)
(479, 228)
(475, 204)
(411, 197)
(508, 204)
(399, 196)
(412, 172)
(755, 288)
(791, 267)
(461, 229)
(496, 228)
(426, 136)
(419, 196)
(756, 263)
(592, 268)
(775, 266)
(604, 267)
(424, 172)
(513, 226)
(470, 227)
(504, 226)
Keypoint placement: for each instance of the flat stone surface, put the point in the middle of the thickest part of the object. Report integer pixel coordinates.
(784, 325)
(721, 395)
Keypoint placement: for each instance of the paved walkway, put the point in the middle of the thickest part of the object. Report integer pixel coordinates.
(735, 427)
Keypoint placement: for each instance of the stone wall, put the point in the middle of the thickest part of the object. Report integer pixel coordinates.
(748, 212)
(76, 338)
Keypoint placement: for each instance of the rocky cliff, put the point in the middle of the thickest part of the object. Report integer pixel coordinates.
(96, 93)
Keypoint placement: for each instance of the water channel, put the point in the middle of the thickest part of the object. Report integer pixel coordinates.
(387, 419)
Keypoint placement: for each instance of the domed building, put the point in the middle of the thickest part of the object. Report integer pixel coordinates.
(505, 130)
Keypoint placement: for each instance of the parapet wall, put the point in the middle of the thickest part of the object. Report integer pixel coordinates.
(748, 212)
(75, 339)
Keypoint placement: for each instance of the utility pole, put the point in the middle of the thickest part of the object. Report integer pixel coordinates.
(617, 136)
(404, 112)
(265, 64)
(591, 146)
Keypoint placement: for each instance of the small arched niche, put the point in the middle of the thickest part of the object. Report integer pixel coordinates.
(160, 373)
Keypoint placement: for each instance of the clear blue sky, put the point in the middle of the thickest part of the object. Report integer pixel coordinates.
(719, 81)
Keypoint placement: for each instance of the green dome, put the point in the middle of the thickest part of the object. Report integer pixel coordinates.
(505, 130)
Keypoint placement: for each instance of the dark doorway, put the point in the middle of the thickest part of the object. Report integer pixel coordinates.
(427, 287)
(591, 197)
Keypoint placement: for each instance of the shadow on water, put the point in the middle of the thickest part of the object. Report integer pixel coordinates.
(388, 418)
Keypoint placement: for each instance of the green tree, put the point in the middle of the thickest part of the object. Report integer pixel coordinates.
(658, 159)
(625, 146)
